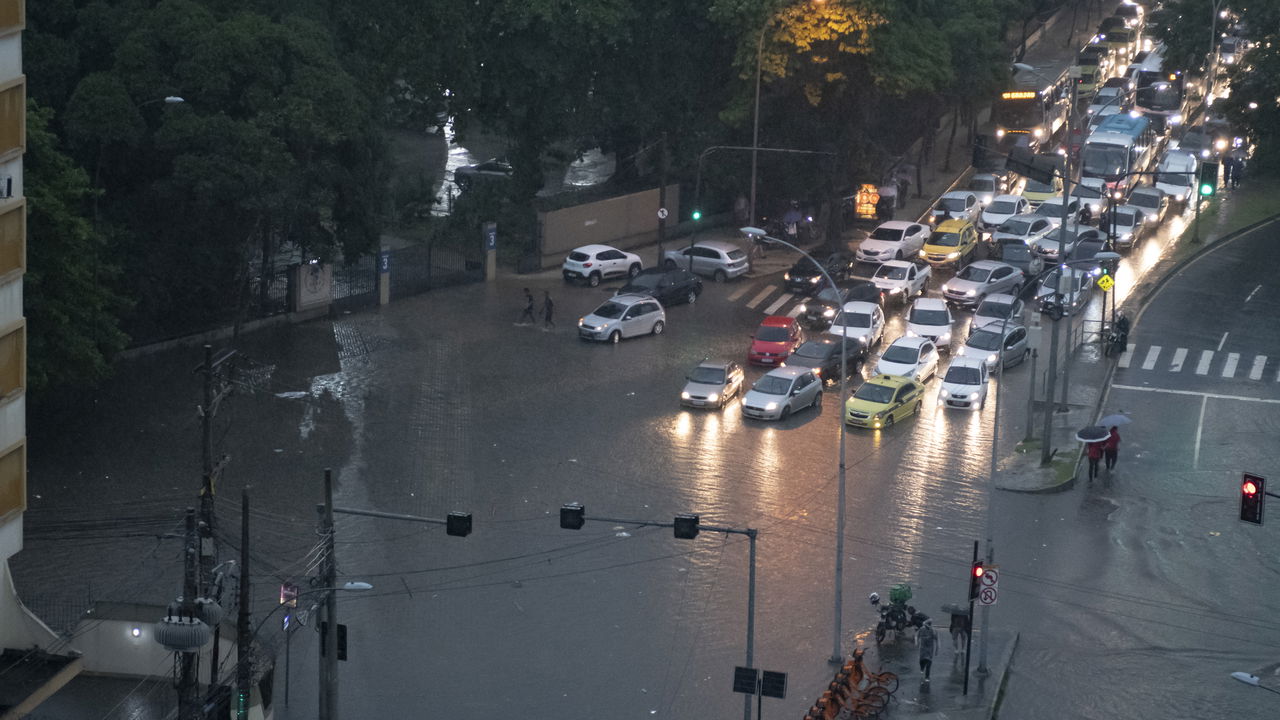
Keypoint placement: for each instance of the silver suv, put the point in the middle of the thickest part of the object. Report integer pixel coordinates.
(714, 258)
(623, 316)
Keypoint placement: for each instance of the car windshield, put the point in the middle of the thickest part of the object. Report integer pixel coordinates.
(804, 267)
(963, 375)
(1050, 208)
(736, 255)
(855, 320)
(1015, 226)
(772, 333)
(812, 349)
(892, 272)
(1085, 191)
(887, 234)
(952, 204)
(1144, 200)
(982, 185)
(872, 392)
(904, 354)
(984, 340)
(610, 310)
(1100, 160)
(923, 316)
(976, 274)
(1180, 179)
(995, 309)
(1126, 219)
(945, 239)
(772, 385)
(708, 375)
(1015, 252)
(1036, 186)
(1003, 207)
(828, 294)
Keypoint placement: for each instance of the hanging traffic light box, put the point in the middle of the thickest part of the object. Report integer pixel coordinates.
(975, 578)
(1208, 184)
(1253, 490)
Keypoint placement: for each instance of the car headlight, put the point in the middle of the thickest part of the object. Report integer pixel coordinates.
(945, 287)
(771, 406)
(803, 307)
(862, 339)
(684, 395)
(895, 291)
(815, 278)
(786, 275)
(829, 312)
(1038, 133)
(1000, 133)
(581, 324)
(973, 396)
(992, 358)
(912, 333)
(713, 397)
(970, 293)
(944, 338)
(953, 256)
(816, 371)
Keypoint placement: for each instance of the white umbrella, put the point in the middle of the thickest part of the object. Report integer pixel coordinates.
(1115, 420)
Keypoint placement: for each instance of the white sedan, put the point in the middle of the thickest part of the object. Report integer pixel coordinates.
(958, 205)
(913, 357)
(893, 240)
(1002, 208)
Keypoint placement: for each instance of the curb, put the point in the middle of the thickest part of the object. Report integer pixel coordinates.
(1007, 660)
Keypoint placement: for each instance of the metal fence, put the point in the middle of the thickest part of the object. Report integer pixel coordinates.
(419, 268)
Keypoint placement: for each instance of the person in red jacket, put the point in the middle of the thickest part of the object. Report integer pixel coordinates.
(1111, 447)
(1093, 451)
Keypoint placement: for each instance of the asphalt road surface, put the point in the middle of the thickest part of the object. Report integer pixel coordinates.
(1127, 600)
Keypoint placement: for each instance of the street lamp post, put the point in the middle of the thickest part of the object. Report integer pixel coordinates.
(1254, 680)
(837, 653)
(1213, 57)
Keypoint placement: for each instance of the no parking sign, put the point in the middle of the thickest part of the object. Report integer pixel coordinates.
(989, 587)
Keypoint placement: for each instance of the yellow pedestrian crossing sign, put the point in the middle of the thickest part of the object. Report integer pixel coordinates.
(1106, 283)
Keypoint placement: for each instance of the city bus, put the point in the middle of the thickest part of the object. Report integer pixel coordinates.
(1120, 145)
(1034, 106)
(1159, 92)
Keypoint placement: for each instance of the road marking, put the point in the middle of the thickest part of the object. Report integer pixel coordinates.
(1223, 341)
(1152, 354)
(795, 311)
(1259, 362)
(1126, 356)
(1179, 356)
(786, 296)
(1206, 357)
(1252, 293)
(1195, 455)
(1216, 396)
(739, 293)
(760, 298)
(1229, 370)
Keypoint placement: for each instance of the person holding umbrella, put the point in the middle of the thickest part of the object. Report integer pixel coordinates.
(1094, 451)
(1111, 447)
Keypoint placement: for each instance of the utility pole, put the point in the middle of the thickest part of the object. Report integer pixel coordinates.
(188, 682)
(215, 389)
(244, 636)
(662, 199)
(328, 578)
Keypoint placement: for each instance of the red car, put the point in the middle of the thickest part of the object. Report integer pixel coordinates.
(774, 341)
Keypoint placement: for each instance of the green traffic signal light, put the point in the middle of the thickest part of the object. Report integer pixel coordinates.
(1208, 184)
(697, 215)
(1206, 189)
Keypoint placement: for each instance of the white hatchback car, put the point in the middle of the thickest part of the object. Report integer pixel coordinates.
(958, 204)
(964, 385)
(996, 309)
(593, 263)
(931, 319)
(623, 316)
(782, 391)
(913, 357)
(1001, 209)
(893, 240)
(983, 345)
(980, 279)
(717, 259)
(861, 320)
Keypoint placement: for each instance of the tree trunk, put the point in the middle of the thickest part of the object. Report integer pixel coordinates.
(951, 140)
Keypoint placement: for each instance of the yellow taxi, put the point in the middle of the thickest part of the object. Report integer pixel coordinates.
(953, 242)
(1037, 192)
(882, 401)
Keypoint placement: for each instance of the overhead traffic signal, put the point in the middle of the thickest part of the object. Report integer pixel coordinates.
(572, 516)
(1253, 490)
(975, 578)
(686, 527)
(1208, 178)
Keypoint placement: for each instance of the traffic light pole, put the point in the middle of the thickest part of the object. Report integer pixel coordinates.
(968, 643)
(687, 527)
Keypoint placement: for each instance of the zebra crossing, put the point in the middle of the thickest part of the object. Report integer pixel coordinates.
(1227, 365)
(769, 299)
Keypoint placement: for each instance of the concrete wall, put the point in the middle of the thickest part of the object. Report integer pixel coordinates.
(624, 222)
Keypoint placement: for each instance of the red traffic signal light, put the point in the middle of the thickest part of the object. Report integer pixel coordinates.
(1253, 490)
(975, 578)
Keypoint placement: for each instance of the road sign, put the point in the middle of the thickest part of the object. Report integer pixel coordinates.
(1106, 283)
(990, 586)
(662, 213)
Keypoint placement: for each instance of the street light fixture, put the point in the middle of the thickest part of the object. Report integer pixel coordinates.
(1251, 679)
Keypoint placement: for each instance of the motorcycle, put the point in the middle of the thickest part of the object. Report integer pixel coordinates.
(1118, 338)
(895, 617)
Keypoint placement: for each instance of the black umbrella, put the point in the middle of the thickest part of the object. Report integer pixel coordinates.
(955, 609)
(1093, 433)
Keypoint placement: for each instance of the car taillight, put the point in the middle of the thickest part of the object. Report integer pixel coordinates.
(586, 264)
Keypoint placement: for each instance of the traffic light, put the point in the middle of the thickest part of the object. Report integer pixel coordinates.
(457, 524)
(697, 215)
(1208, 178)
(571, 516)
(975, 578)
(686, 527)
(1253, 490)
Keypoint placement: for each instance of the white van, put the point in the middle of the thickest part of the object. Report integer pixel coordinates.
(1176, 176)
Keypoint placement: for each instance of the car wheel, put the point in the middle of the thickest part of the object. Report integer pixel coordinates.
(634, 270)
(1025, 354)
(657, 328)
(888, 422)
(817, 401)
(919, 403)
(594, 279)
(691, 298)
(720, 276)
(615, 336)
(897, 255)
(786, 413)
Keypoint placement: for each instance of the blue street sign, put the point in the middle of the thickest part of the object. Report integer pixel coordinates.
(384, 261)
(490, 236)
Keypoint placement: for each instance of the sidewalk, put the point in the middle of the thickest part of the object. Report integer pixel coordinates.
(944, 697)
(1090, 373)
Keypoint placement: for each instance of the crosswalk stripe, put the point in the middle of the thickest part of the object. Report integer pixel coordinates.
(1259, 362)
(760, 298)
(739, 292)
(1152, 354)
(786, 296)
(795, 311)
(1179, 356)
(1229, 370)
(1206, 357)
(1126, 357)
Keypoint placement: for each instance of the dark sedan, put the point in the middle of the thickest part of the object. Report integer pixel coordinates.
(805, 279)
(818, 312)
(823, 355)
(670, 287)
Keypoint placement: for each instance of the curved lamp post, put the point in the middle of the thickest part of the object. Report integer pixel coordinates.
(1251, 679)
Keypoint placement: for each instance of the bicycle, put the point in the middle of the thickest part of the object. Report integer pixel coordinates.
(884, 679)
